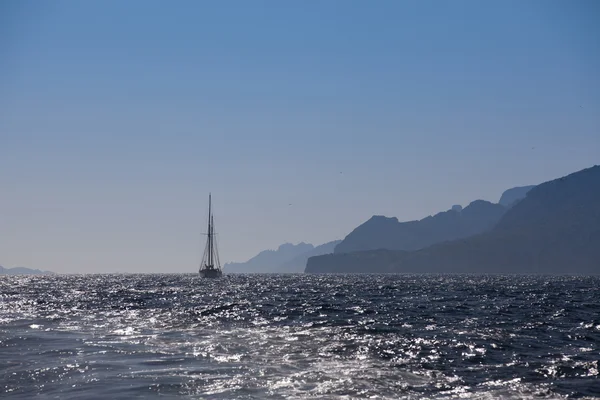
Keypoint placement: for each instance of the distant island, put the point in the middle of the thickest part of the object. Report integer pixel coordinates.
(555, 228)
(288, 258)
(23, 271)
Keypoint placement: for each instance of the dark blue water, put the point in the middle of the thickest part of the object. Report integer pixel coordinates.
(284, 337)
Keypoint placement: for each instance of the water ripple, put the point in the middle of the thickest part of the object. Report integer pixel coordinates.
(296, 336)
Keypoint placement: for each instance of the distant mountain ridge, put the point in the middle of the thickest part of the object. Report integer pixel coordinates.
(387, 233)
(23, 271)
(381, 232)
(288, 258)
(554, 229)
(298, 263)
(511, 196)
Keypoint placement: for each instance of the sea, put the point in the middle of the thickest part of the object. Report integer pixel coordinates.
(299, 337)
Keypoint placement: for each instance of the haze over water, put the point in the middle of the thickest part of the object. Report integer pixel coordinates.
(118, 117)
(299, 336)
(304, 120)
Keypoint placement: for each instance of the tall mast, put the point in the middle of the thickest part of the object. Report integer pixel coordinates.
(210, 246)
(212, 240)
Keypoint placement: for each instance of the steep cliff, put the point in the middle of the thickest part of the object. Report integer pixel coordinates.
(288, 258)
(387, 233)
(554, 229)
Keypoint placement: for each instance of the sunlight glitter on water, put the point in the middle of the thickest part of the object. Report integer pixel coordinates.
(293, 337)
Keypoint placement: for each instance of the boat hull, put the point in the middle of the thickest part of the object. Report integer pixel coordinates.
(211, 273)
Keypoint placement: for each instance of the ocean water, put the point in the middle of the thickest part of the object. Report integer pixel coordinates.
(299, 337)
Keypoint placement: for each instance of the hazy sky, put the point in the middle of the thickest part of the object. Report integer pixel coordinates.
(118, 117)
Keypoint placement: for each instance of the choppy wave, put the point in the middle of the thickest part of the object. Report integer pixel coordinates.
(297, 336)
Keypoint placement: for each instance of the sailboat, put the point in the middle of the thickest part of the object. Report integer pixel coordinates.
(210, 266)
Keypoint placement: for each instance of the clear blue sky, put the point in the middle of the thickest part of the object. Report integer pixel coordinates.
(118, 117)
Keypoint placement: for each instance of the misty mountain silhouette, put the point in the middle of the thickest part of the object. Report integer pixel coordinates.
(381, 232)
(298, 263)
(23, 271)
(511, 196)
(387, 233)
(288, 258)
(554, 229)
